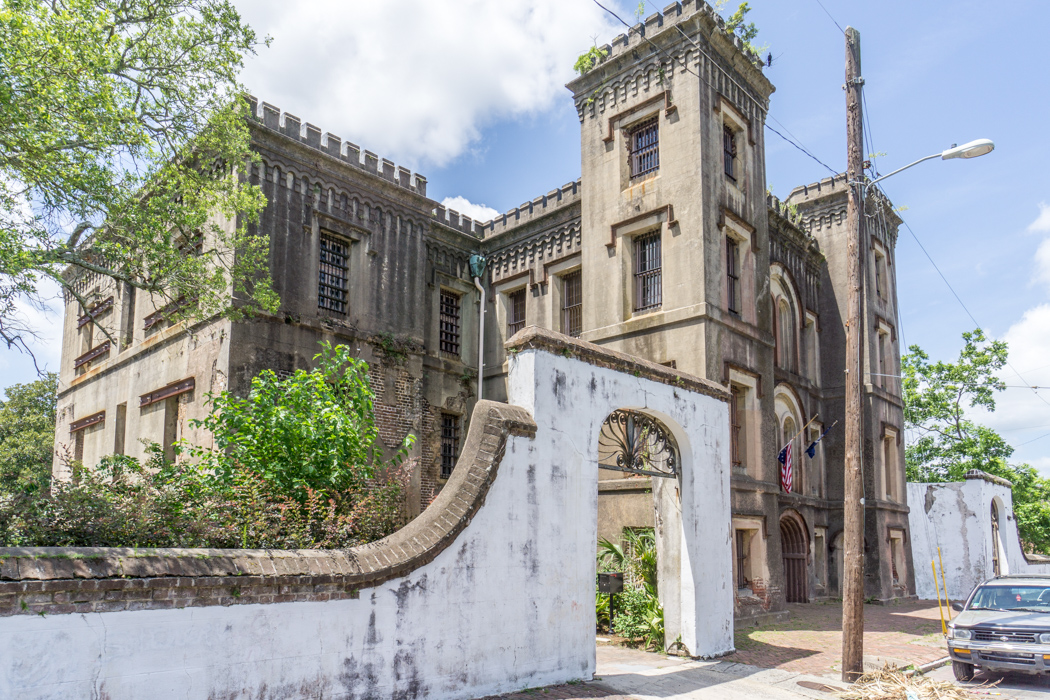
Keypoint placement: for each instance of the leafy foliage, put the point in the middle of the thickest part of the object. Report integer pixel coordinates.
(747, 31)
(122, 136)
(588, 60)
(296, 465)
(937, 396)
(27, 435)
(122, 503)
(638, 615)
(314, 430)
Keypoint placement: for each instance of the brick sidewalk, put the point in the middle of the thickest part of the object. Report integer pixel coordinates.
(568, 691)
(810, 641)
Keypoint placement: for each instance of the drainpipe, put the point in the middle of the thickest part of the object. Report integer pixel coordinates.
(477, 270)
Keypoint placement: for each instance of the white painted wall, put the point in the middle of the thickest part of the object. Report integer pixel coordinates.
(571, 399)
(509, 605)
(957, 517)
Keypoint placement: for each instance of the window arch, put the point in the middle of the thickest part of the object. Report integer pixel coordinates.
(786, 316)
(788, 412)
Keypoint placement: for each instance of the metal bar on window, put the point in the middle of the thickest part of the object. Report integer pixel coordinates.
(732, 276)
(90, 355)
(516, 312)
(88, 421)
(333, 274)
(449, 443)
(174, 389)
(572, 304)
(729, 152)
(449, 323)
(644, 145)
(648, 272)
(95, 311)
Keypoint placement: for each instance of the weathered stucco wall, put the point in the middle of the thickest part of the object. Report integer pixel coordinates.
(490, 590)
(571, 399)
(957, 517)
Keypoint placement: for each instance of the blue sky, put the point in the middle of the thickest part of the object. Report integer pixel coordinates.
(470, 93)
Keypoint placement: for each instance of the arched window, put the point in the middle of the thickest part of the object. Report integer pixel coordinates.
(786, 339)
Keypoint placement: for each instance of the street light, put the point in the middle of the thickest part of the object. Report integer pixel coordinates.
(973, 149)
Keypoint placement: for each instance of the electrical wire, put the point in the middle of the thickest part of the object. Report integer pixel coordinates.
(830, 17)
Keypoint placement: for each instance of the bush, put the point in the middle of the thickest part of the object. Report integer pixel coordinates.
(123, 503)
(638, 615)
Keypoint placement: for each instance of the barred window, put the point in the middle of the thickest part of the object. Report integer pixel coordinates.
(729, 151)
(648, 293)
(572, 304)
(644, 145)
(333, 272)
(449, 332)
(515, 312)
(734, 427)
(743, 538)
(449, 443)
(732, 276)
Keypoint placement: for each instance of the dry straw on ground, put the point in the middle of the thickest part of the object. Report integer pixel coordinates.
(893, 684)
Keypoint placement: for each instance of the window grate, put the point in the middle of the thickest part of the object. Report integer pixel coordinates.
(515, 312)
(449, 443)
(733, 276)
(729, 151)
(648, 293)
(333, 274)
(644, 141)
(449, 332)
(741, 559)
(572, 304)
(734, 427)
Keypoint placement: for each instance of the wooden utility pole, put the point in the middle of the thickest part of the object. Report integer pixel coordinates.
(853, 536)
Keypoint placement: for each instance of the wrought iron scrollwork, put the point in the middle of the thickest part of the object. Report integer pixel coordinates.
(635, 443)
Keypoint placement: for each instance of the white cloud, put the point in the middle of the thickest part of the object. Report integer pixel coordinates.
(416, 80)
(46, 320)
(1041, 274)
(1021, 414)
(477, 212)
(1042, 222)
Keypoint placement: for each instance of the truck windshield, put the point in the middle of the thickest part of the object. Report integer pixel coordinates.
(1019, 598)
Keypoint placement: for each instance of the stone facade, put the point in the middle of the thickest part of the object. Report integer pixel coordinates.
(668, 248)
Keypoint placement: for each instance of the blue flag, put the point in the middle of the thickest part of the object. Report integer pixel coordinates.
(812, 449)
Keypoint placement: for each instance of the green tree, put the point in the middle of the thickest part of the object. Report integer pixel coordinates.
(314, 430)
(122, 142)
(947, 444)
(27, 435)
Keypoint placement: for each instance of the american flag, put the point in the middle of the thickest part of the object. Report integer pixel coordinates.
(787, 474)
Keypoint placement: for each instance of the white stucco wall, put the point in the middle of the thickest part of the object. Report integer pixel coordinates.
(571, 399)
(957, 518)
(509, 605)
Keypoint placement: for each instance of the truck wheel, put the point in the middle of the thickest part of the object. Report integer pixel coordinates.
(962, 671)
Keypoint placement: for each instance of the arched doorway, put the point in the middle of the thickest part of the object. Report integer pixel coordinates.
(793, 545)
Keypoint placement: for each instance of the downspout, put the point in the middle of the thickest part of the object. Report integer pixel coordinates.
(477, 270)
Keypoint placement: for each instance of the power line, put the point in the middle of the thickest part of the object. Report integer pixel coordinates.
(833, 171)
(830, 17)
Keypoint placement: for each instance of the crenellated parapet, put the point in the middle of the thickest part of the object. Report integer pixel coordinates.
(824, 204)
(541, 206)
(291, 126)
(460, 222)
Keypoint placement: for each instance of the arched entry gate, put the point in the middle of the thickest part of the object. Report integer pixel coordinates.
(793, 545)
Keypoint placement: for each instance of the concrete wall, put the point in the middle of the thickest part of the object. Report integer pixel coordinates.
(957, 518)
(490, 590)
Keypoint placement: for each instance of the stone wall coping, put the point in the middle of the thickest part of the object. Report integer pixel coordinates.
(534, 337)
(48, 579)
(990, 478)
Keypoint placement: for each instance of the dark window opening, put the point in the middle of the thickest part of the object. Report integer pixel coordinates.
(644, 145)
(733, 276)
(333, 274)
(572, 304)
(729, 150)
(734, 427)
(449, 334)
(742, 537)
(648, 293)
(449, 443)
(515, 312)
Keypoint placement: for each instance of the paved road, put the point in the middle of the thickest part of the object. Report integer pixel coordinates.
(1014, 685)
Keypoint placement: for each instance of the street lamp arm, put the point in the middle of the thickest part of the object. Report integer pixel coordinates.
(909, 165)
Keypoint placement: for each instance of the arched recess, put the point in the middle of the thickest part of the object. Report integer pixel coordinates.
(642, 443)
(1000, 564)
(788, 410)
(794, 545)
(787, 314)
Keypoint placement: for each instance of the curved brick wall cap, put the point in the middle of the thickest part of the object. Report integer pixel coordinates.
(71, 579)
(534, 337)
